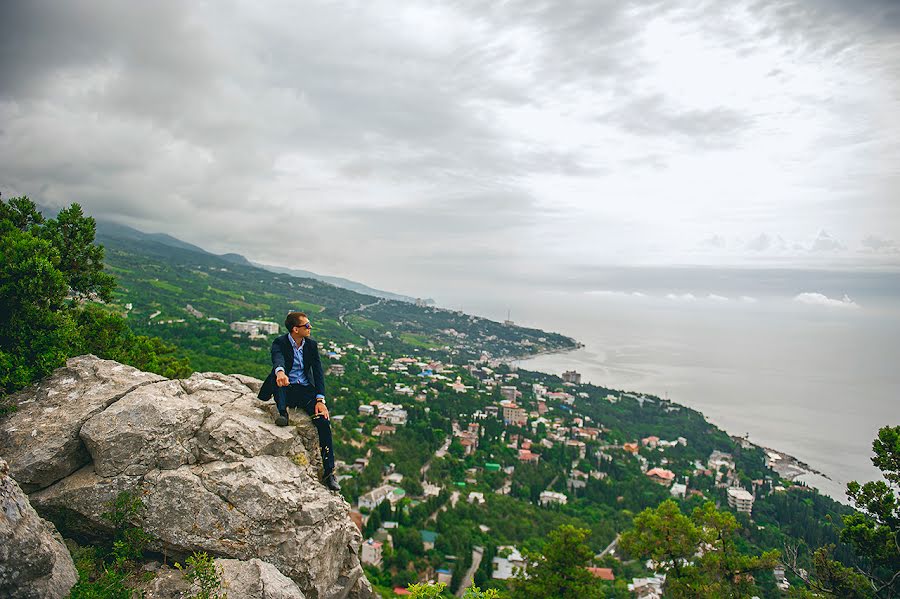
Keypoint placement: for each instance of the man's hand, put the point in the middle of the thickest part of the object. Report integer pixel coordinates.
(321, 409)
(281, 379)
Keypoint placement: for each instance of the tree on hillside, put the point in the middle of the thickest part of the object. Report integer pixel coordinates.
(873, 531)
(698, 554)
(47, 268)
(561, 571)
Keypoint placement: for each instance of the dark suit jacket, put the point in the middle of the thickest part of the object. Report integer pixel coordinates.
(283, 355)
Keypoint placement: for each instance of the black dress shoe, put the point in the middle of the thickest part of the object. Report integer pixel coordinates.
(332, 483)
(282, 420)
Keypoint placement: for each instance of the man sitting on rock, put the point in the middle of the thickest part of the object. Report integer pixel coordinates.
(296, 381)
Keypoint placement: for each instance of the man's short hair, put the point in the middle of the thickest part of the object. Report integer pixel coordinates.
(293, 319)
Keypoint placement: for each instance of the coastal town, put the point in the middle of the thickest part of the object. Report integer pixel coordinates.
(484, 435)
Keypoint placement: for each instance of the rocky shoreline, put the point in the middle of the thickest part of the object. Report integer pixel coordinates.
(787, 466)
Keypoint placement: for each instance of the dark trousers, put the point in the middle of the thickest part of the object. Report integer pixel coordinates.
(304, 396)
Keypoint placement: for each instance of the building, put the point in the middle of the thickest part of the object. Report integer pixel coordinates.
(652, 441)
(718, 459)
(740, 500)
(507, 563)
(396, 496)
(254, 327)
(602, 573)
(371, 553)
(648, 588)
(373, 498)
(570, 376)
(366, 410)
(476, 497)
(509, 392)
(337, 370)
(428, 539)
(678, 490)
(383, 430)
(396, 416)
(513, 414)
(528, 456)
(443, 575)
(548, 497)
(661, 476)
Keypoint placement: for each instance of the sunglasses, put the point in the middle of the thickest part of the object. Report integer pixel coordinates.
(306, 326)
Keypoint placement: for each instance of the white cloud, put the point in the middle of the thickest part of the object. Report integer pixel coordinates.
(826, 243)
(716, 298)
(818, 299)
(749, 300)
(683, 297)
(877, 244)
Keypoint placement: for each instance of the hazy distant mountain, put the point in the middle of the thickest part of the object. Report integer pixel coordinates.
(340, 282)
(125, 232)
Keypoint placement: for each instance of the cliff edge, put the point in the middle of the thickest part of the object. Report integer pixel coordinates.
(214, 473)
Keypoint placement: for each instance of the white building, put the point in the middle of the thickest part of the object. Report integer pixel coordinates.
(509, 392)
(394, 416)
(371, 553)
(648, 588)
(373, 498)
(571, 376)
(254, 327)
(740, 499)
(548, 497)
(678, 490)
(507, 567)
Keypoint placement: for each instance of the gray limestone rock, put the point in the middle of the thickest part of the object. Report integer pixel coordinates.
(256, 579)
(152, 427)
(41, 439)
(251, 579)
(34, 562)
(215, 474)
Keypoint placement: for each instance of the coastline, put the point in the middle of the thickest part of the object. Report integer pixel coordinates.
(540, 353)
(787, 466)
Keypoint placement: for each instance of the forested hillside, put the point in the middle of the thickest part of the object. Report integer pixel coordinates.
(159, 280)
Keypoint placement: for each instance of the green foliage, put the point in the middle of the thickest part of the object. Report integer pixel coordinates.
(96, 580)
(104, 575)
(129, 541)
(873, 531)
(48, 268)
(673, 541)
(562, 569)
(201, 571)
(426, 590)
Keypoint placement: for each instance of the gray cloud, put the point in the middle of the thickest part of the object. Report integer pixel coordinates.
(826, 243)
(425, 133)
(653, 116)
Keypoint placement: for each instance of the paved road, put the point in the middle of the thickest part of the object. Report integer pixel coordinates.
(468, 578)
(609, 548)
(360, 309)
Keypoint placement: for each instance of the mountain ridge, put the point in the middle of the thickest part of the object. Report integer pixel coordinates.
(110, 228)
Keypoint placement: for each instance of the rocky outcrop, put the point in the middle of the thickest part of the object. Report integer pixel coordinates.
(253, 579)
(34, 562)
(214, 473)
(40, 441)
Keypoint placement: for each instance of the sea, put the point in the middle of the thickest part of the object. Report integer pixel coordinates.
(806, 362)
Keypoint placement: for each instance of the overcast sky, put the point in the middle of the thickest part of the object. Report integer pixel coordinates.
(407, 145)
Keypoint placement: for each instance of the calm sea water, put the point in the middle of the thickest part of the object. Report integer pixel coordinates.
(807, 362)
